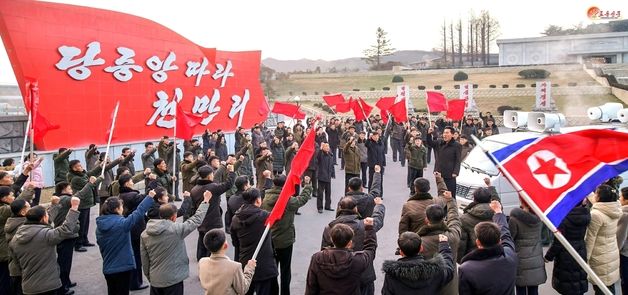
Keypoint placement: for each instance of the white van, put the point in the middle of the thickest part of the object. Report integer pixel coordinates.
(477, 166)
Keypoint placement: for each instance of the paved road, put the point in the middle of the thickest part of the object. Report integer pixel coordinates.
(87, 270)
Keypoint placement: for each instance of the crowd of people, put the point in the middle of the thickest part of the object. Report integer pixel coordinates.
(442, 251)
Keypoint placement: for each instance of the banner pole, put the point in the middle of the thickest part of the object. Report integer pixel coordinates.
(368, 122)
(574, 254)
(174, 150)
(113, 124)
(26, 134)
(261, 241)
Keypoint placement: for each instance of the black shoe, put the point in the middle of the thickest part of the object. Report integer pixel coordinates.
(320, 211)
(178, 200)
(79, 249)
(69, 292)
(72, 285)
(88, 244)
(329, 209)
(142, 287)
(297, 213)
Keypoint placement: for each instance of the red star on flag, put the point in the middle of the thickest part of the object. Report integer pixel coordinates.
(549, 168)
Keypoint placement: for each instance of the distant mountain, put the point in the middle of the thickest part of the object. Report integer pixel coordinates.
(405, 57)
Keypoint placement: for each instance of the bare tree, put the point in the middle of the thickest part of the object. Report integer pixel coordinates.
(492, 31)
(381, 48)
(484, 18)
(459, 29)
(444, 29)
(453, 51)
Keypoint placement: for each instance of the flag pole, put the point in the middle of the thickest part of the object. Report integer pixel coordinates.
(26, 134)
(364, 114)
(174, 149)
(261, 242)
(113, 124)
(574, 254)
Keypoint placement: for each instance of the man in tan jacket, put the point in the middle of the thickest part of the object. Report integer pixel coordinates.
(220, 275)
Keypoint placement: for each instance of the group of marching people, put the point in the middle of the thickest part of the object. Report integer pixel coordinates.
(442, 251)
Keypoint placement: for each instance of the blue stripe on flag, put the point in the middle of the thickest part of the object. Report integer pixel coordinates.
(505, 152)
(586, 187)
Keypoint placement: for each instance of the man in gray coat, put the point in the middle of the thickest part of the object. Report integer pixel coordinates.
(164, 258)
(34, 248)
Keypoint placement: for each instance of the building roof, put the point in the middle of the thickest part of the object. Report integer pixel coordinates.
(563, 38)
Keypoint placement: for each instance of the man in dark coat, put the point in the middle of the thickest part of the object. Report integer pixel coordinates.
(376, 156)
(233, 205)
(61, 164)
(495, 255)
(412, 273)
(333, 136)
(213, 217)
(325, 172)
(312, 167)
(247, 228)
(338, 270)
(364, 201)
(397, 143)
(448, 156)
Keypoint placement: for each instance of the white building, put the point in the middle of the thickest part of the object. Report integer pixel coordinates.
(600, 48)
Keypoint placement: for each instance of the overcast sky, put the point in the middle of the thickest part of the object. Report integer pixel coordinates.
(334, 29)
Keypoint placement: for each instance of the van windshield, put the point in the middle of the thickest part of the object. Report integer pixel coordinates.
(477, 158)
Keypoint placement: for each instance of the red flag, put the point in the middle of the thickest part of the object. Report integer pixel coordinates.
(345, 107)
(361, 110)
(264, 109)
(290, 110)
(399, 111)
(186, 123)
(436, 101)
(334, 99)
(384, 103)
(300, 162)
(39, 124)
(455, 109)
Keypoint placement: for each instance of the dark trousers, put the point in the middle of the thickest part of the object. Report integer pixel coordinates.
(265, 287)
(5, 278)
(53, 292)
(371, 173)
(623, 271)
(429, 154)
(527, 290)
(598, 291)
(176, 289)
(84, 223)
(65, 252)
(284, 261)
(413, 174)
(201, 251)
(397, 148)
(324, 188)
(451, 186)
(277, 172)
(347, 177)
(334, 151)
(37, 196)
(367, 288)
(342, 159)
(312, 175)
(136, 279)
(118, 283)
(16, 286)
(363, 167)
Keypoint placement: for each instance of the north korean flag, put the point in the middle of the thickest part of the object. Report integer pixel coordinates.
(559, 171)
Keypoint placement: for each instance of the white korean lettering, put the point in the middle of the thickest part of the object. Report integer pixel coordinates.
(124, 64)
(239, 105)
(79, 67)
(223, 72)
(197, 69)
(164, 107)
(204, 104)
(161, 67)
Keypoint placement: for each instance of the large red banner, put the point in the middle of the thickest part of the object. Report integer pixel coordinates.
(87, 59)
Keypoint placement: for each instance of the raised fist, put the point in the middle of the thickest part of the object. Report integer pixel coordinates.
(92, 179)
(307, 180)
(152, 193)
(207, 195)
(75, 202)
(447, 195)
(496, 206)
(442, 238)
(55, 200)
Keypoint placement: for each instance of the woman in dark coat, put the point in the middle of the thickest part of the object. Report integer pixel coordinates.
(568, 278)
(221, 148)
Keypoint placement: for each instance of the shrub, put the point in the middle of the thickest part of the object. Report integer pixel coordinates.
(386, 88)
(456, 86)
(534, 74)
(502, 109)
(318, 104)
(372, 88)
(475, 86)
(326, 92)
(505, 86)
(520, 85)
(492, 86)
(304, 93)
(397, 79)
(438, 87)
(555, 85)
(315, 92)
(356, 89)
(533, 85)
(571, 84)
(421, 87)
(460, 76)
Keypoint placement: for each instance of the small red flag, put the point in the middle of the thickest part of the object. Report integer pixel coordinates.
(290, 110)
(436, 101)
(264, 108)
(345, 107)
(399, 111)
(300, 162)
(40, 125)
(185, 124)
(384, 103)
(334, 99)
(455, 110)
(361, 110)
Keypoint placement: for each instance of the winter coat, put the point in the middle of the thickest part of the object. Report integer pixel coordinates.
(148, 159)
(364, 201)
(325, 171)
(256, 139)
(333, 136)
(91, 157)
(622, 232)
(213, 218)
(246, 168)
(362, 151)
(221, 276)
(413, 211)
(34, 248)
(375, 153)
(13, 223)
(280, 132)
(247, 227)
(568, 277)
(61, 165)
(5, 214)
(351, 156)
(262, 163)
(448, 156)
(164, 258)
(469, 129)
(417, 156)
(130, 200)
(188, 170)
(233, 204)
(221, 151)
(417, 275)
(279, 156)
(164, 178)
(338, 270)
(114, 238)
(283, 231)
(108, 177)
(500, 262)
(78, 180)
(128, 162)
(472, 216)
(525, 228)
(601, 240)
